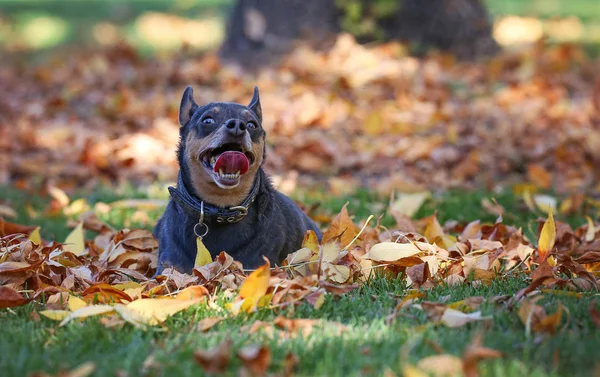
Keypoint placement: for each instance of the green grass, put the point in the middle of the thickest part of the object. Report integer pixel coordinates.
(367, 348)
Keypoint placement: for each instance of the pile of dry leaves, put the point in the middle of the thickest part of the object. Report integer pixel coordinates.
(364, 114)
(112, 273)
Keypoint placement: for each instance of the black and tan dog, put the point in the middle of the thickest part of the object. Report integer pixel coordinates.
(223, 194)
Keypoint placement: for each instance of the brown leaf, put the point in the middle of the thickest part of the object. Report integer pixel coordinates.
(337, 289)
(256, 358)
(215, 360)
(474, 354)
(140, 239)
(92, 222)
(10, 298)
(341, 226)
(8, 228)
(418, 274)
(208, 323)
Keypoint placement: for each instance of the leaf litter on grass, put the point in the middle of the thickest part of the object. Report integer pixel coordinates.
(353, 115)
(112, 277)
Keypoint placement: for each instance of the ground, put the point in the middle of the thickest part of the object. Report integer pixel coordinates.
(370, 345)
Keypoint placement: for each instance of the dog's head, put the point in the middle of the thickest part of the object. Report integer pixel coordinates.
(222, 147)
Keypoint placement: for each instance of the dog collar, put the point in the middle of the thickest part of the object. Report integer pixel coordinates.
(206, 212)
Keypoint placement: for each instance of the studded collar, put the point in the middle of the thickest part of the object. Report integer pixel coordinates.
(208, 213)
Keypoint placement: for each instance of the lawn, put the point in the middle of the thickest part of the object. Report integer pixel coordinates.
(369, 345)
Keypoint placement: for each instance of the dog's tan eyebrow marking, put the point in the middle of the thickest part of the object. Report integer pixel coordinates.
(216, 109)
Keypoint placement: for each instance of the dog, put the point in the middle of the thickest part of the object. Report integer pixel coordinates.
(223, 194)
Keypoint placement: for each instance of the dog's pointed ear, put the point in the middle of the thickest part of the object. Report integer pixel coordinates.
(187, 107)
(255, 104)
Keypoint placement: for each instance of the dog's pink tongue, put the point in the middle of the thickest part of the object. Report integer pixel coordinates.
(231, 162)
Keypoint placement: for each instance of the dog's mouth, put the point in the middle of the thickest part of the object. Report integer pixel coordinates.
(227, 163)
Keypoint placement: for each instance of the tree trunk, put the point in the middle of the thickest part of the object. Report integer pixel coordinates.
(260, 30)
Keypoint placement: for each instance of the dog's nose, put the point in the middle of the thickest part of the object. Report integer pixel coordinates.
(236, 127)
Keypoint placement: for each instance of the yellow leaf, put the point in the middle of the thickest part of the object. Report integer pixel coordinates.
(320, 301)
(247, 305)
(74, 242)
(408, 204)
(441, 365)
(311, 241)
(547, 238)
(412, 371)
(157, 310)
(433, 230)
(55, 315)
(131, 316)
(128, 285)
(589, 235)
(76, 303)
(391, 251)
(88, 311)
(528, 198)
(256, 284)
(35, 236)
(203, 256)
(264, 300)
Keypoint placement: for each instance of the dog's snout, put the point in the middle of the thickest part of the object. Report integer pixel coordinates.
(235, 127)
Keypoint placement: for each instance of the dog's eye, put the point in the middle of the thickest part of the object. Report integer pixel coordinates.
(251, 125)
(208, 120)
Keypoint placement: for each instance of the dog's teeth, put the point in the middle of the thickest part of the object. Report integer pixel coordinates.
(221, 172)
(213, 161)
(237, 174)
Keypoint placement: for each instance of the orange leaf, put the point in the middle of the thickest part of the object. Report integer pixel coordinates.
(255, 286)
(341, 226)
(192, 292)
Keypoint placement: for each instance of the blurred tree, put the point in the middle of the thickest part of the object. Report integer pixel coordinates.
(261, 29)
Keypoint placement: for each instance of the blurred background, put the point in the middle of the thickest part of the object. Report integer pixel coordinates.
(387, 95)
(167, 25)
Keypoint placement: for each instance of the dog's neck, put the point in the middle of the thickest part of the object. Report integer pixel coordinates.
(200, 208)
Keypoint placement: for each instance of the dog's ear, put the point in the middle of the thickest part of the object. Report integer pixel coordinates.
(255, 104)
(187, 107)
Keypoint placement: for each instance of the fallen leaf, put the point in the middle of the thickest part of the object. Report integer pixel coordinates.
(547, 238)
(391, 251)
(208, 323)
(10, 298)
(455, 318)
(203, 256)
(76, 303)
(255, 287)
(88, 311)
(215, 360)
(192, 293)
(35, 237)
(474, 353)
(407, 204)
(74, 242)
(55, 315)
(157, 310)
(440, 365)
(256, 358)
